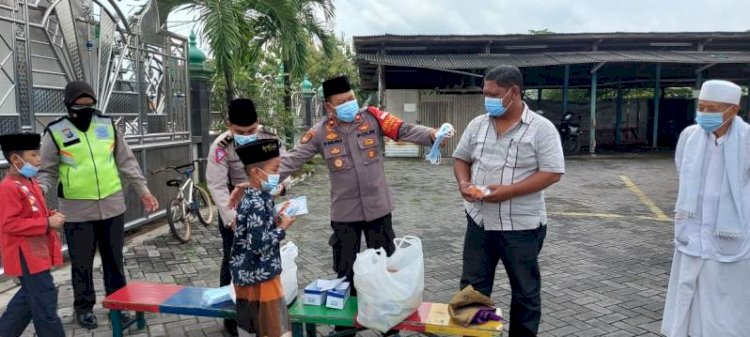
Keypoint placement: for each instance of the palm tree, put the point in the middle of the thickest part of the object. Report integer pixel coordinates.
(295, 41)
(229, 26)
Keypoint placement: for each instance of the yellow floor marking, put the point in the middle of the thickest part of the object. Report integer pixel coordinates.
(645, 199)
(609, 216)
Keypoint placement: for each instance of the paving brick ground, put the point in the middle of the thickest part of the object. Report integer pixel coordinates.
(605, 262)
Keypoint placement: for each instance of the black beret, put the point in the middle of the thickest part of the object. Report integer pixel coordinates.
(20, 142)
(336, 85)
(242, 112)
(78, 89)
(259, 151)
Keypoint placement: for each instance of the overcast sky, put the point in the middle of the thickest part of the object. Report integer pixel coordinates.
(374, 17)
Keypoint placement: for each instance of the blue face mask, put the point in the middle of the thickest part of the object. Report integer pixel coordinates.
(709, 121)
(271, 182)
(346, 111)
(494, 106)
(28, 170)
(242, 139)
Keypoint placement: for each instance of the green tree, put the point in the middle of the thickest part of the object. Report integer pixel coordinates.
(229, 26)
(544, 31)
(294, 42)
(338, 61)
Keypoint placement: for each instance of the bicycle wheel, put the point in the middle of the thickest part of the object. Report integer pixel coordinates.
(178, 225)
(205, 209)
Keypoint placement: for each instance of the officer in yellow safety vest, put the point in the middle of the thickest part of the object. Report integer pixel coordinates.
(83, 157)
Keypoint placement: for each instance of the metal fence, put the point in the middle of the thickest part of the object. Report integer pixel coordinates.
(139, 73)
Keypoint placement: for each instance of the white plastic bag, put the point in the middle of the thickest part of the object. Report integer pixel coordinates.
(389, 289)
(289, 253)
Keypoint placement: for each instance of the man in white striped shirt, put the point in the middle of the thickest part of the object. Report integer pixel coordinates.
(515, 153)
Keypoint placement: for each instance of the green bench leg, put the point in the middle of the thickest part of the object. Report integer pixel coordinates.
(297, 330)
(114, 317)
(141, 319)
(311, 330)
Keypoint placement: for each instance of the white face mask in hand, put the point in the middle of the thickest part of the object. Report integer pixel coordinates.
(294, 207)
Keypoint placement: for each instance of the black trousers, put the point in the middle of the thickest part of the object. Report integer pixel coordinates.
(83, 238)
(346, 242)
(225, 275)
(519, 252)
(37, 301)
(227, 239)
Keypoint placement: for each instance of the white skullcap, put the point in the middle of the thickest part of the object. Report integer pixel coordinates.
(721, 91)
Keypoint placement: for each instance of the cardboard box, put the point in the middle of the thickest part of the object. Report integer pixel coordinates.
(314, 295)
(337, 297)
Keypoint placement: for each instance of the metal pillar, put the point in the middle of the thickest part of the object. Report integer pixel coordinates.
(566, 81)
(592, 104)
(618, 115)
(381, 86)
(657, 98)
(538, 98)
(747, 101)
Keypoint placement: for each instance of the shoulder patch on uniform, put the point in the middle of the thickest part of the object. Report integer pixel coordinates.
(219, 154)
(224, 142)
(308, 135)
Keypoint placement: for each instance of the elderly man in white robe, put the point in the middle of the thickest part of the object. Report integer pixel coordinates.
(709, 294)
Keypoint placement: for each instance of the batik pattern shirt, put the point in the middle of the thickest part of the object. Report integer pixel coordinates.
(255, 252)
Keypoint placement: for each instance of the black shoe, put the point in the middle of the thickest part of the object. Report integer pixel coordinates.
(230, 326)
(87, 320)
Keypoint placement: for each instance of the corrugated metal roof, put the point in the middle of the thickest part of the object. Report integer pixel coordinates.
(486, 61)
(553, 36)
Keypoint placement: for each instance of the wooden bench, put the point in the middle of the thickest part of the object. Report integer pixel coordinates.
(142, 297)
(430, 318)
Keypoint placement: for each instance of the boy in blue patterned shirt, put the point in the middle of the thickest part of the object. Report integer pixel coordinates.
(255, 260)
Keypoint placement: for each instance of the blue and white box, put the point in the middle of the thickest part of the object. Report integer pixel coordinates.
(337, 297)
(314, 295)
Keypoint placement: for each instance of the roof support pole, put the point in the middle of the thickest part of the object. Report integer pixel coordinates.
(747, 101)
(566, 82)
(592, 104)
(698, 80)
(618, 115)
(657, 98)
(538, 98)
(381, 86)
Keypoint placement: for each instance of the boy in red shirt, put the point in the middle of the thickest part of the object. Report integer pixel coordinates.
(29, 244)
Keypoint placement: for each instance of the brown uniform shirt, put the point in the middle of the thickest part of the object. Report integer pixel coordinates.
(225, 170)
(354, 155)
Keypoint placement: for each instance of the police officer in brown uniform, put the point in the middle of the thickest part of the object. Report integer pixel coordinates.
(225, 170)
(350, 141)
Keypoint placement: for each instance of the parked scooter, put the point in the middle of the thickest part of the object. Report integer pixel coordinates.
(570, 133)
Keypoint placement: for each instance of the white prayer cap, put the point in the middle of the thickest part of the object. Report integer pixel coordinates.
(720, 91)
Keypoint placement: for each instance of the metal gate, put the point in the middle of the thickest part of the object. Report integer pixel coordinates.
(139, 72)
(459, 110)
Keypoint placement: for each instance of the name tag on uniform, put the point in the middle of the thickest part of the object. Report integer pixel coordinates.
(69, 137)
(102, 132)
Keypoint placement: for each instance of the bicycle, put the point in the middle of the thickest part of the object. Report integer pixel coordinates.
(192, 202)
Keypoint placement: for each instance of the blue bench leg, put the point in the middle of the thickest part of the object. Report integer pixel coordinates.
(114, 317)
(297, 330)
(141, 319)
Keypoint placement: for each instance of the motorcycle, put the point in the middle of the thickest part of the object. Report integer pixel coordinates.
(570, 133)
